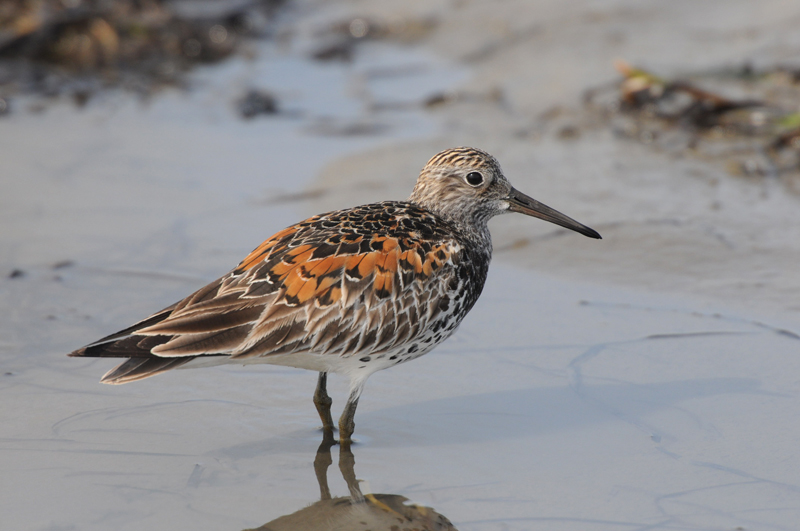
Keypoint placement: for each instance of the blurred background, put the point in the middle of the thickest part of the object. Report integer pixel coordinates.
(648, 380)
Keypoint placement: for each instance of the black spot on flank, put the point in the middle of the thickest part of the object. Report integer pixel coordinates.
(365, 359)
(441, 255)
(444, 303)
(412, 349)
(393, 357)
(353, 273)
(376, 245)
(382, 293)
(363, 367)
(291, 300)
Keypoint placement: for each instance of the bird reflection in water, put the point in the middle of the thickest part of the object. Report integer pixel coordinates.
(357, 512)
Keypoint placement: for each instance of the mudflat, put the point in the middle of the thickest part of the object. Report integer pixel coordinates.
(647, 380)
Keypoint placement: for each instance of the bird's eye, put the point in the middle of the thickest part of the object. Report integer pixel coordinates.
(474, 178)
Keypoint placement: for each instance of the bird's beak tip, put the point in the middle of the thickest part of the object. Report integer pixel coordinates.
(519, 202)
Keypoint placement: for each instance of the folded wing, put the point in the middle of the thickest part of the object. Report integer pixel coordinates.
(312, 287)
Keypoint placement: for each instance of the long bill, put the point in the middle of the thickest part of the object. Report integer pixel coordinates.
(519, 202)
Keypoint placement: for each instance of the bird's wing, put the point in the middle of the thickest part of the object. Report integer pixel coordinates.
(311, 287)
(358, 294)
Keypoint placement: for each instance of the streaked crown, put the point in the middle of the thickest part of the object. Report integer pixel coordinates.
(463, 185)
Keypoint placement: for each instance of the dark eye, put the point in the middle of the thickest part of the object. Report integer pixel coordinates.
(474, 178)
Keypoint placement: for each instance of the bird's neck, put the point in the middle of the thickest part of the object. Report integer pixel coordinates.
(477, 231)
(471, 226)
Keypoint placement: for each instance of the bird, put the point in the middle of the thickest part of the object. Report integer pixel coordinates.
(348, 292)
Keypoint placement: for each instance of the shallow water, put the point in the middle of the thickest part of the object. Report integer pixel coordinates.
(559, 404)
(556, 406)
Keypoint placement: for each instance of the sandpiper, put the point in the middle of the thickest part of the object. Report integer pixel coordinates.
(350, 292)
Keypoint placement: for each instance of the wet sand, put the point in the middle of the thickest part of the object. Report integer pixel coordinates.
(645, 381)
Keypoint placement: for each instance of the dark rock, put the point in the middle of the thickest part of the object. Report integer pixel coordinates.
(257, 102)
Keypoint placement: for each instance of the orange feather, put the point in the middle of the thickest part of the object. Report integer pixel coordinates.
(367, 265)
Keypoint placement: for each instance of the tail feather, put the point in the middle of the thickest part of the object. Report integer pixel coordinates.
(141, 362)
(153, 319)
(140, 368)
(128, 347)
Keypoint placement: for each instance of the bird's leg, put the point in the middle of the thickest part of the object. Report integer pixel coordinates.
(347, 462)
(323, 403)
(347, 424)
(321, 463)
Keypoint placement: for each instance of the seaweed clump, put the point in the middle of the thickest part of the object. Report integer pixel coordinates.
(747, 119)
(75, 47)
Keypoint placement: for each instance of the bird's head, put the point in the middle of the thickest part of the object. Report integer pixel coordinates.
(466, 186)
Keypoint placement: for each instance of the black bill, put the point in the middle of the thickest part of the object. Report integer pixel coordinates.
(523, 204)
